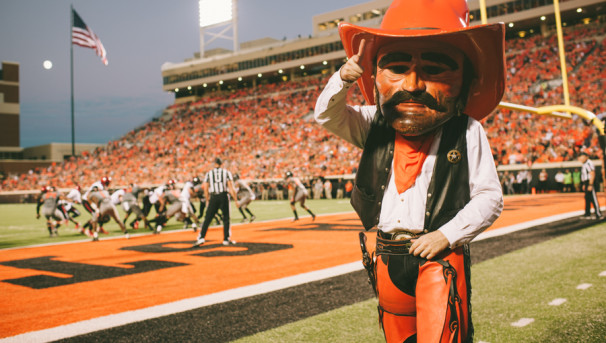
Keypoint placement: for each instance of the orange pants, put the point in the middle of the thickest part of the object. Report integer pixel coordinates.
(424, 301)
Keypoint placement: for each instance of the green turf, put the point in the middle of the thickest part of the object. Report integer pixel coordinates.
(505, 289)
(19, 226)
(354, 323)
(521, 285)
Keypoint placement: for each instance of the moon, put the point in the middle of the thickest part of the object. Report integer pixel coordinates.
(47, 64)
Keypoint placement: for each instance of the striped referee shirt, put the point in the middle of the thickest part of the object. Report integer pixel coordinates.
(217, 180)
(586, 170)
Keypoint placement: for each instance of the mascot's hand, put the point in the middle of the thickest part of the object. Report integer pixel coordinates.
(351, 70)
(429, 245)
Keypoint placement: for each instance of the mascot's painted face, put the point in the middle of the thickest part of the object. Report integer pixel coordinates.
(418, 84)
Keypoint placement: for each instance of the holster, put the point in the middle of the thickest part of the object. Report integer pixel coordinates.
(369, 263)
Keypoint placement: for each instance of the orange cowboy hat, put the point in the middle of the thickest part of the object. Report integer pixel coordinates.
(444, 21)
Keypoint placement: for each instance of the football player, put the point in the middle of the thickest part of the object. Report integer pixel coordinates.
(299, 195)
(49, 201)
(103, 209)
(246, 196)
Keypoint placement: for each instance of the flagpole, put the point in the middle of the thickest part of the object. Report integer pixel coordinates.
(71, 65)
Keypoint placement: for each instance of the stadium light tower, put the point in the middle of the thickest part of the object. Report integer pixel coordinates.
(215, 14)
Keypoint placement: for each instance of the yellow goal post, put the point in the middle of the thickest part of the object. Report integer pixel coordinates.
(559, 111)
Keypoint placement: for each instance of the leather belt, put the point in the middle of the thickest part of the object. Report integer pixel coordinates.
(398, 235)
(394, 243)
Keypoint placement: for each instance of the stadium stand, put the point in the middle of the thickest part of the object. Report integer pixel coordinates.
(269, 129)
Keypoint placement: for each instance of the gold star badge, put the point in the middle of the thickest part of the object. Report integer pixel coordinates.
(454, 156)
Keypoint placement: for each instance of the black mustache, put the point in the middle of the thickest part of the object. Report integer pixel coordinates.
(422, 98)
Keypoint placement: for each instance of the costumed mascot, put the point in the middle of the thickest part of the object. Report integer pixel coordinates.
(426, 179)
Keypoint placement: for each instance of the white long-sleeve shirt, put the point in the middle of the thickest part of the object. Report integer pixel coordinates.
(97, 184)
(74, 196)
(407, 210)
(185, 194)
(117, 196)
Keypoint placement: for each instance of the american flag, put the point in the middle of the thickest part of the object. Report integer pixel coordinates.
(83, 36)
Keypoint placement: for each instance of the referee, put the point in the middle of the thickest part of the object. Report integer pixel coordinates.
(587, 182)
(218, 182)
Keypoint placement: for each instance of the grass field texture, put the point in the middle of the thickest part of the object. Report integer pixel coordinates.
(19, 226)
(506, 289)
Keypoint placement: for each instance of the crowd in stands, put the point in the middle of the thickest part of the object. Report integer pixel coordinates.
(265, 131)
(522, 138)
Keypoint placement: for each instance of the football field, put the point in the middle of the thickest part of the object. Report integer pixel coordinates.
(539, 275)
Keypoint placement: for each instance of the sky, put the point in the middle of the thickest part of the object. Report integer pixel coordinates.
(139, 36)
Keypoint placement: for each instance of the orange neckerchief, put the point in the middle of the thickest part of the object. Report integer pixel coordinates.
(409, 156)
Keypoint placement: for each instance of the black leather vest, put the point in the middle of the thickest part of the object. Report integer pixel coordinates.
(448, 190)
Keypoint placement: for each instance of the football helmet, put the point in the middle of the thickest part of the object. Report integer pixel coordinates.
(106, 180)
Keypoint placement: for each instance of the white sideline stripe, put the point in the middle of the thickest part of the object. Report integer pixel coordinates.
(522, 322)
(557, 302)
(526, 225)
(114, 320)
(602, 273)
(584, 286)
